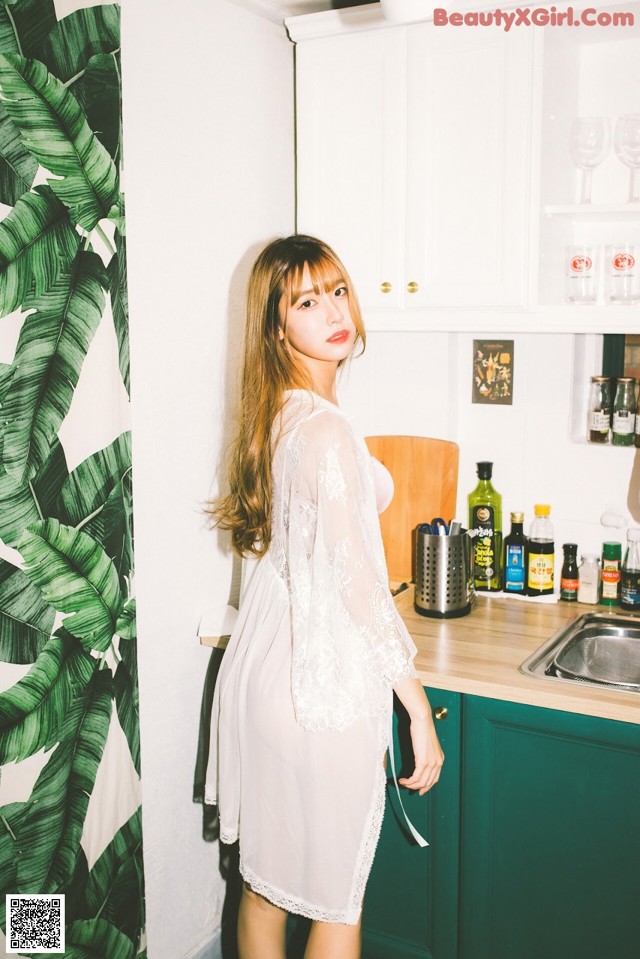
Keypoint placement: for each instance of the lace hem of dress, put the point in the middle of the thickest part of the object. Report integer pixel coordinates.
(210, 796)
(294, 904)
(369, 842)
(228, 836)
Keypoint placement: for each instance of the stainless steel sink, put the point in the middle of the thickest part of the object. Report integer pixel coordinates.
(599, 648)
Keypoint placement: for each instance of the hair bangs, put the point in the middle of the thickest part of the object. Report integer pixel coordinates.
(325, 273)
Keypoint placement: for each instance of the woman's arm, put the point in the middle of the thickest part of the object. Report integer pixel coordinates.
(427, 752)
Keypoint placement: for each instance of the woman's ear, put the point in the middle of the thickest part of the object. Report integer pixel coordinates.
(280, 333)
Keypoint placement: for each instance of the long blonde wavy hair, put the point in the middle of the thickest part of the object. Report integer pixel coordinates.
(268, 370)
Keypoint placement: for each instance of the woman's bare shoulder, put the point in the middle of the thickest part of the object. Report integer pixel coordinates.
(326, 426)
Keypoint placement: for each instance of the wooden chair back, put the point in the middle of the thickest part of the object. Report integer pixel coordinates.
(425, 476)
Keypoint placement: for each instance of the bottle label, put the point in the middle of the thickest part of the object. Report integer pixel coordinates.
(623, 422)
(540, 571)
(599, 421)
(610, 579)
(630, 590)
(514, 569)
(569, 588)
(484, 544)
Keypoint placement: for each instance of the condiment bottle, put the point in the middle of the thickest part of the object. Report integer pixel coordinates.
(599, 418)
(630, 577)
(624, 413)
(610, 573)
(485, 520)
(514, 565)
(569, 580)
(589, 574)
(541, 553)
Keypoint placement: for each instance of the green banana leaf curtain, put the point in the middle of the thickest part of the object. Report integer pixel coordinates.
(69, 733)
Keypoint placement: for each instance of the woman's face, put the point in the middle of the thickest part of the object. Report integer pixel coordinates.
(318, 326)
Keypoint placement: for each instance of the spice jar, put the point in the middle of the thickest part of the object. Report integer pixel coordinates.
(610, 573)
(624, 412)
(589, 574)
(599, 419)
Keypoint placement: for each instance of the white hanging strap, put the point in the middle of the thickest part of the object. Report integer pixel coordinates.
(414, 832)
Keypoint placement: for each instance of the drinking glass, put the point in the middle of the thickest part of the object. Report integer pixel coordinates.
(581, 274)
(589, 143)
(622, 272)
(627, 145)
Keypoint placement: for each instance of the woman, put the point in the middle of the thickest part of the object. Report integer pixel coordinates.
(303, 704)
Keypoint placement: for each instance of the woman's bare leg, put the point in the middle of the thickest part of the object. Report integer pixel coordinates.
(333, 940)
(261, 927)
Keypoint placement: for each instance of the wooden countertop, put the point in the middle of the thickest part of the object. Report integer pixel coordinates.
(481, 654)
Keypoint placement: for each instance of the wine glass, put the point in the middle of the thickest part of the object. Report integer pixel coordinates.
(627, 145)
(589, 143)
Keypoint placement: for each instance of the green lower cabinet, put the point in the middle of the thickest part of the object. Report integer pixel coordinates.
(411, 903)
(550, 859)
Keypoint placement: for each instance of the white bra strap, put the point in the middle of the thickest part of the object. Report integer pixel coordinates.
(414, 832)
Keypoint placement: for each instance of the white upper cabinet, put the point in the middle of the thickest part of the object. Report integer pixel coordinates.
(413, 160)
(468, 167)
(351, 149)
(436, 160)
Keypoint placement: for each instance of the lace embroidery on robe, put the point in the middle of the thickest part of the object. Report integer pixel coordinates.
(349, 644)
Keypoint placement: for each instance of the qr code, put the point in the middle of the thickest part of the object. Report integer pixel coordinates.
(35, 923)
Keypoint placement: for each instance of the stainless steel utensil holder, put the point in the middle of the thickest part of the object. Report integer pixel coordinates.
(444, 575)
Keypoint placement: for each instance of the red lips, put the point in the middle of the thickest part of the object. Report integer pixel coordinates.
(339, 337)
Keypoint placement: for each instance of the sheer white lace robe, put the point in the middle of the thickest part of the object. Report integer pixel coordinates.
(302, 707)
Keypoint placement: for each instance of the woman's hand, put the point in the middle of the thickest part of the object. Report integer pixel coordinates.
(427, 752)
(428, 755)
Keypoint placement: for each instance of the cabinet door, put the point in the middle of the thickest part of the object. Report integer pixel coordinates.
(550, 834)
(469, 166)
(350, 104)
(411, 903)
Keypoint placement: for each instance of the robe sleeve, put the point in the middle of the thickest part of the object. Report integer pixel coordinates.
(349, 644)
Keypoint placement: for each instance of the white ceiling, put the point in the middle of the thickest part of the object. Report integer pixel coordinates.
(277, 10)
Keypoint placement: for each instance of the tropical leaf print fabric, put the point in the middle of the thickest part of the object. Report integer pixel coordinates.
(68, 669)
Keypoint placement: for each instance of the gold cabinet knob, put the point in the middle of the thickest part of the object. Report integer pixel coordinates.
(385, 287)
(412, 287)
(441, 712)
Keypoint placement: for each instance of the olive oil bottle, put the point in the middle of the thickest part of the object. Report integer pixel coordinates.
(485, 521)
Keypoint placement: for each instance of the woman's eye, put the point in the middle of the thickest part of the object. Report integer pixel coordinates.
(306, 305)
(341, 291)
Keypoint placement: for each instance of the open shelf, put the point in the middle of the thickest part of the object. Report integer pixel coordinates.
(592, 211)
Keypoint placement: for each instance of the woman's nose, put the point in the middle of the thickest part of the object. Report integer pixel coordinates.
(333, 309)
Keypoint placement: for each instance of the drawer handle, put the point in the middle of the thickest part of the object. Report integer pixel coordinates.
(412, 287)
(385, 287)
(441, 712)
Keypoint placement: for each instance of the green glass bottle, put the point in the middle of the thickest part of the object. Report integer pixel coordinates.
(485, 520)
(624, 412)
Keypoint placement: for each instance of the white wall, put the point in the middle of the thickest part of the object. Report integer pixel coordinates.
(420, 383)
(209, 178)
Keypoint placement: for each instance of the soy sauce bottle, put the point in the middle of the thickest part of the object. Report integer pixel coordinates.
(541, 558)
(630, 577)
(569, 578)
(514, 563)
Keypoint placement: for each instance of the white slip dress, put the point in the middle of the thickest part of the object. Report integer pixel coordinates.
(302, 707)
